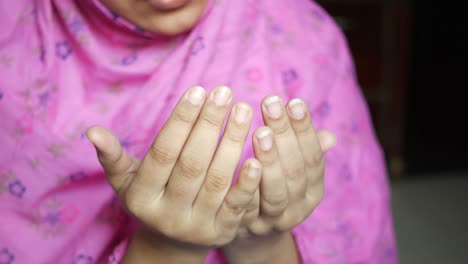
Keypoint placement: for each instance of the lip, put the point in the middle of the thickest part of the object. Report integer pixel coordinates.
(167, 5)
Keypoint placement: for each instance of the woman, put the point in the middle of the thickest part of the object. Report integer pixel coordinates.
(124, 64)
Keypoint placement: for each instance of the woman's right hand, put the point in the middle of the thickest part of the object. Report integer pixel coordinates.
(181, 190)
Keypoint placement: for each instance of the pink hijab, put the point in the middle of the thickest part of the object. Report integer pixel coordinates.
(66, 65)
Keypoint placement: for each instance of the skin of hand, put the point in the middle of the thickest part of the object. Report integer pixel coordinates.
(181, 191)
(292, 185)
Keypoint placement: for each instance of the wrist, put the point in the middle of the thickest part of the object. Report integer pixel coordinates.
(148, 247)
(274, 248)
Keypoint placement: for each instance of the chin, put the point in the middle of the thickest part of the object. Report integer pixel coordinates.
(172, 25)
(151, 19)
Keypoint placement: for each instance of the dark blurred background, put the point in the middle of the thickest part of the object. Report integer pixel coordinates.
(412, 64)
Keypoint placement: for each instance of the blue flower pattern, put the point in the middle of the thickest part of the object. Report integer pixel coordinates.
(112, 259)
(323, 109)
(343, 228)
(6, 257)
(276, 28)
(42, 53)
(53, 218)
(345, 173)
(113, 15)
(139, 30)
(44, 99)
(289, 76)
(83, 259)
(77, 176)
(63, 50)
(130, 59)
(17, 188)
(318, 14)
(197, 45)
(76, 25)
(126, 143)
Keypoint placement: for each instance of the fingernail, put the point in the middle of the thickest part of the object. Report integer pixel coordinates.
(221, 96)
(254, 170)
(296, 109)
(196, 95)
(274, 107)
(241, 114)
(327, 141)
(265, 140)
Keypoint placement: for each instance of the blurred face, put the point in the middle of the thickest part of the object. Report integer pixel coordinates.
(168, 17)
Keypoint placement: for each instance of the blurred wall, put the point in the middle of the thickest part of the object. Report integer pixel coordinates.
(412, 64)
(437, 133)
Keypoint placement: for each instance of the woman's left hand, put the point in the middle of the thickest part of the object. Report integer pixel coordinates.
(292, 185)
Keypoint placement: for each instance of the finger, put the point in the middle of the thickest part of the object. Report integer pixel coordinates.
(190, 169)
(308, 141)
(117, 164)
(163, 153)
(223, 166)
(273, 190)
(251, 214)
(252, 211)
(261, 227)
(327, 140)
(292, 162)
(238, 198)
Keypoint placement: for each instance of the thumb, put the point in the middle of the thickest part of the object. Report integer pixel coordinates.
(327, 140)
(117, 164)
